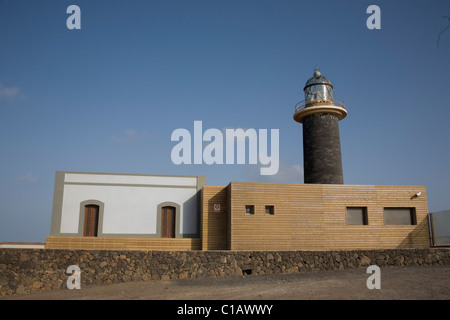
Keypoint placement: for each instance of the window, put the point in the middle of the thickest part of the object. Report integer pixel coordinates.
(270, 210)
(90, 220)
(357, 216)
(168, 222)
(250, 209)
(400, 216)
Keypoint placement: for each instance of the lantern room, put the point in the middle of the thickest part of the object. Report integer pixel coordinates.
(318, 89)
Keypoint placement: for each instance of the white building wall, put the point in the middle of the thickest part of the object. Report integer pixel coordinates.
(130, 202)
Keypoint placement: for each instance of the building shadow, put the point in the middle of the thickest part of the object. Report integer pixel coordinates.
(417, 238)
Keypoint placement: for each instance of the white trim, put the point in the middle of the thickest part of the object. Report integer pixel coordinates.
(130, 179)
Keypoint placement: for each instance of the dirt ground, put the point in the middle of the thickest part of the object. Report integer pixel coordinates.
(397, 283)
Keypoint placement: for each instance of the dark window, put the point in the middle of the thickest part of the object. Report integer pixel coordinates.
(90, 220)
(270, 210)
(250, 209)
(357, 216)
(400, 216)
(168, 222)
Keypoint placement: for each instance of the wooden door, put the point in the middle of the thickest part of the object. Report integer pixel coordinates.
(90, 220)
(168, 222)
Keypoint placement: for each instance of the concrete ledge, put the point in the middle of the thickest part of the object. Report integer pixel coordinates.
(23, 245)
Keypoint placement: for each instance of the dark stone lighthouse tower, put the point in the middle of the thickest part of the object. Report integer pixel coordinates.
(320, 114)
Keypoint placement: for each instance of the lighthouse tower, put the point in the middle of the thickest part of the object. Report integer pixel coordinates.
(320, 114)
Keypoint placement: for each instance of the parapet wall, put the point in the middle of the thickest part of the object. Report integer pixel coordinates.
(31, 270)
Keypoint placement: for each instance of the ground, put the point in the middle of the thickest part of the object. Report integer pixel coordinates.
(397, 283)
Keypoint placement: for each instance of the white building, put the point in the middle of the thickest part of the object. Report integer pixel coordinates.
(87, 205)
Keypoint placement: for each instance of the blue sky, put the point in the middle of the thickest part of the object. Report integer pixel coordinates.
(107, 97)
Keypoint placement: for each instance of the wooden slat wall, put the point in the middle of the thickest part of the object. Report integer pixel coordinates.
(307, 217)
(109, 243)
(214, 224)
(376, 234)
(296, 214)
(313, 217)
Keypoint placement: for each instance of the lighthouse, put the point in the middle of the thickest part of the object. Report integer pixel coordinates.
(320, 114)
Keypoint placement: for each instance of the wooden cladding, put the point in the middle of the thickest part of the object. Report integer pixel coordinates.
(277, 216)
(91, 220)
(118, 243)
(168, 222)
(311, 217)
(214, 223)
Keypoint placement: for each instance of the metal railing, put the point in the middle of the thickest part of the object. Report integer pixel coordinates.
(337, 102)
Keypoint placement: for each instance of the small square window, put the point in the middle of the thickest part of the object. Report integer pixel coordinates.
(250, 209)
(270, 210)
(357, 216)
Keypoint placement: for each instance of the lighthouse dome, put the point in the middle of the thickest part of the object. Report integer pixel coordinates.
(318, 89)
(317, 78)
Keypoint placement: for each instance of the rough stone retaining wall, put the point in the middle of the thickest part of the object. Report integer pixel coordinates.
(31, 270)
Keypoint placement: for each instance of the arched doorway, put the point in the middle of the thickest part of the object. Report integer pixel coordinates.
(168, 222)
(91, 212)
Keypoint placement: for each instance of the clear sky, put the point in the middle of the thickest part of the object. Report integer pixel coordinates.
(107, 97)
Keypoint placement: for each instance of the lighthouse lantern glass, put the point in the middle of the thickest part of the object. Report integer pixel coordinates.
(318, 89)
(318, 93)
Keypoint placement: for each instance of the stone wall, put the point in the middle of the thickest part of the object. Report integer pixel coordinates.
(31, 270)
